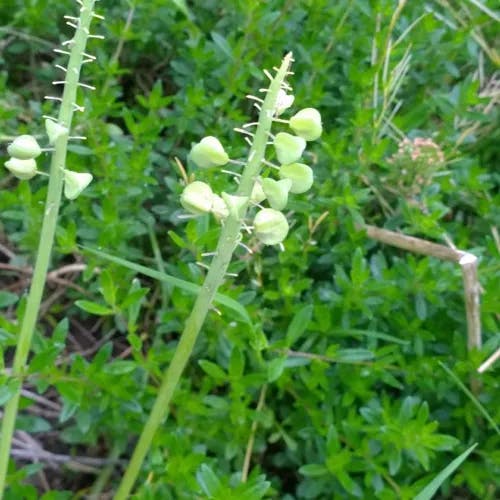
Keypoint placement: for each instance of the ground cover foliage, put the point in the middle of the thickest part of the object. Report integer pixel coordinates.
(339, 379)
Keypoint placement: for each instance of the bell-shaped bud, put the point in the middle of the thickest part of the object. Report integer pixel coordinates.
(55, 131)
(307, 124)
(75, 183)
(208, 153)
(219, 208)
(197, 198)
(289, 148)
(24, 147)
(257, 192)
(300, 175)
(276, 192)
(283, 102)
(271, 226)
(235, 204)
(22, 169)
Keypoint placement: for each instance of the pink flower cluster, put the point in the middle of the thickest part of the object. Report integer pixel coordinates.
(425, 150)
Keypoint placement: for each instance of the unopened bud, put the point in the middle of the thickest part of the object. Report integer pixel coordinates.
(289, 148)
(208, 153)
(283, 102)
(307, 124)
(75, 183)
(197, 198)
(257, 192)
(22, 169)
(271, 226)
(55, 131)
(235, 204)
(24, 147)
(300, 175)
(219, 208)
(276, 192)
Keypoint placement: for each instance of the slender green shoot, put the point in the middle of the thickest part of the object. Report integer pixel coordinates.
(229, 238)
(77, 57)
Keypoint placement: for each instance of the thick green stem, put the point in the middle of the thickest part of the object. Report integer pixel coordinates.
(228, 240)
(47, 233)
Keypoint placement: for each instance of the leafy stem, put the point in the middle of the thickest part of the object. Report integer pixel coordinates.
(52, 204)
(228, 240)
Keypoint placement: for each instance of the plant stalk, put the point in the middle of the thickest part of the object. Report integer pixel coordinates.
(228, 241)
(47, 234)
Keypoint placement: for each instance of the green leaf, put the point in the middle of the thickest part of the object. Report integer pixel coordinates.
(120, 367)
(187, 286)
(275, 368)
(353, 355)
(212, 369)
(299, 324)
(208, 481)
(428, 492)
(7, 299)
(94, 308)
(108, 288)
(314, 470)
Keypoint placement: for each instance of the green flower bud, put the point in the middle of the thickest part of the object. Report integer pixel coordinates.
(257, 192)
(235, 204)
(55, 131)
(307, 124)
(24, 147)
(197, 198)
(277, 192)
(271, 226)
(22, 169)
(75, 183)
(289, 148)
(219, 208)
(301, 176)
(209, 153)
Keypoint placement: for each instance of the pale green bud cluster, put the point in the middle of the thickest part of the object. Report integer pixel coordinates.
(270, 225)
(24, 150)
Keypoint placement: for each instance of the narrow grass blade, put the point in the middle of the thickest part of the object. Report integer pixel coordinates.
(428, 492)
(187, 286)
(471, 396)
(347, 332)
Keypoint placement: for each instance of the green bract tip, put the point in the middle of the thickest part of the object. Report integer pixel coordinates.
(208, 153)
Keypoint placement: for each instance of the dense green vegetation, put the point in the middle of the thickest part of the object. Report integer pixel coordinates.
(349, 380)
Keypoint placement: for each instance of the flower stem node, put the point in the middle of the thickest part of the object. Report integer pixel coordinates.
(271, 226)
(289, 148)
(235, 204)
(197, 198)
(209, 153)
(22, 169)
(300, 175)
(55, 131)
(75, 183)
(307, 124)
(276, 192)
(24, 147)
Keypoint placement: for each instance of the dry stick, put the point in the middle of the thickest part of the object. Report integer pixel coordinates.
(487, 364)
(466, 260)
(251, 439)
